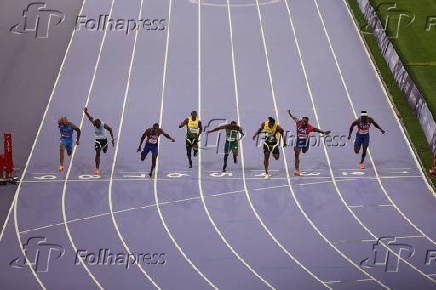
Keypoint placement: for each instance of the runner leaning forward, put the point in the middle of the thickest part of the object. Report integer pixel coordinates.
(232, 132)
(303, 131)
(272, 132)
(66, 129)
(100, 138)
(193, 131)
(151, 135)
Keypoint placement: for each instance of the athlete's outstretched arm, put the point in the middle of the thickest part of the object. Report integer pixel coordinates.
(110, 132)
(241, 131)
(377, 126)
(200, 126)
(78, 131)
(282, 133)
(146, 133)
(292, 116)
(217, 129)
(321, 131)
(258, 131)
(91, 119)
(352, 128)
(167, 136)
(184, 123)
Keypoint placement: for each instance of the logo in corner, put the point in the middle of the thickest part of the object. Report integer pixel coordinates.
(381, 258)
(39, 254)
(37, 19)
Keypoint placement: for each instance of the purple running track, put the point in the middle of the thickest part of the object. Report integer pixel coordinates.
(236, 230)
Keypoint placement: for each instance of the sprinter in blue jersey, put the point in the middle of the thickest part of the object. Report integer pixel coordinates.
(151, 137)
(66, 129)
(100, 138)
(363, 124)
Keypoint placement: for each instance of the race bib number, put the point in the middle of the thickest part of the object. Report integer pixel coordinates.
(271, 138)
(231, 139)
(152, 141)
(194, 130)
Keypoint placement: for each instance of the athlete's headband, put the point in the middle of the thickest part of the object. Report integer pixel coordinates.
(364, 114)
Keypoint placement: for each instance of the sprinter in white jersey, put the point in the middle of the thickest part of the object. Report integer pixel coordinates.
(100, 138)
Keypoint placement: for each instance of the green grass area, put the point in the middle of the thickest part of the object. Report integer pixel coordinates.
(408, 116)
(415, 41)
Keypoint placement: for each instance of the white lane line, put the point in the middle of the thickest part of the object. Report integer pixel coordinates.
(202, 196)
(329, 181)
(130, 209)
(372, 241)
(309, 90)
(345, 86)
(348, 281)
(273, 95)
(126, 95)
(67, 175)
(345, 178)
(344, 202)
(224, 5)
(153, 205)
(384, 168)
(375, 205)
(405, 135)
(155, 189)
(14, 204)
(271, 187)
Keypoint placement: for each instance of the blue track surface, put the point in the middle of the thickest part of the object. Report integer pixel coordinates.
(244, 61)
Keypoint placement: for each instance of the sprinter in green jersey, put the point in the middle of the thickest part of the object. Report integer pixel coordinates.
(232, 132)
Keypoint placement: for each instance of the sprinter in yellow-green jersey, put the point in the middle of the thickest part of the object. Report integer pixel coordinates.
(272, 132)
(193, 131)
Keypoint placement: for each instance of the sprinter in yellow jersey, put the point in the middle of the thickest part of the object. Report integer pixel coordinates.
(272, 132)
(193, 131)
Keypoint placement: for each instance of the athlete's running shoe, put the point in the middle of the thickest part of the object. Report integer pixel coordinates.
(61, 168)
(361, 165)
(97, 171)
(297, 172)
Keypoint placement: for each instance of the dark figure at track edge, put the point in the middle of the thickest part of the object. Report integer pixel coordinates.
(232, 131)
(151, 135)
(363, 124)
(272, 132)
(303, 141)
(193, 131)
